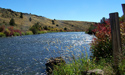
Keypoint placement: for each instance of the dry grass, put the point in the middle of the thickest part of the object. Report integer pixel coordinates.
(25, 24)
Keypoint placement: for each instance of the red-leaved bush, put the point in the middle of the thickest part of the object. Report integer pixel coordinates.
(10, 31)
(102, 46)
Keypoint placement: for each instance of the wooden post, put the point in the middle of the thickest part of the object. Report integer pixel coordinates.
(123, 8)
(116, 38)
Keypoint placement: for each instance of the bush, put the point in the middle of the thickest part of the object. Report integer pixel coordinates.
(90, 30)
(45, 28)
(12, 22)
(28, 33)
(23, 33)
(65, 28)
(57, 25)
(102, 46)
(122, 67)
(21, 15)
(2, 34)
(121, 19)
(35, 28)
(16, 34)
(53, 22)
(30, 19)
(18, 31)
(7, 32)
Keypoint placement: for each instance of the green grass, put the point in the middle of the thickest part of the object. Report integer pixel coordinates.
(83, 64)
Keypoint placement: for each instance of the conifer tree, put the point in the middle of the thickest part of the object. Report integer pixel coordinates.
(12, 22)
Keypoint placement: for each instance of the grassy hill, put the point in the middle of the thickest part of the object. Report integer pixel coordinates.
(29, 20)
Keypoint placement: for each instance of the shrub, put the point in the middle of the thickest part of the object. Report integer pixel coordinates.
(121, 19)
(7, 32)
(23, 33)
(28, 33)
(102, 46)
(2, 34)
(65, 28)
(18, 31)
(12, 22)
(57, 25)
(30, 19)
(122, 66)
(16, 34)
(53, 22)
(45, 28)
(35, 28)
(90, 30)
(21, 15)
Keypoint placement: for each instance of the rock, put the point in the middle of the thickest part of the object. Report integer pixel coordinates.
(93, 72)
(53, 61)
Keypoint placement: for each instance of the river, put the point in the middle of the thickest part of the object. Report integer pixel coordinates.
(27, 55)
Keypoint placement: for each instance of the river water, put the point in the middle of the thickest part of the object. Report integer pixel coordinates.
(27, 55)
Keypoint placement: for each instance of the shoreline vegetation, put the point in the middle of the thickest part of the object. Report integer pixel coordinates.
(10, 31)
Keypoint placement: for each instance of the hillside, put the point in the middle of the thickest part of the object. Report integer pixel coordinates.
(25, 23)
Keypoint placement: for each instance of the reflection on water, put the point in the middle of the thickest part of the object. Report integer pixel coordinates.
(28, 54)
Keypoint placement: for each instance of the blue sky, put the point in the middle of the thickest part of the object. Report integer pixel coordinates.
(80, 10)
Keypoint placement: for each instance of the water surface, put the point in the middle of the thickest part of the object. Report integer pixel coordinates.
(28, 54)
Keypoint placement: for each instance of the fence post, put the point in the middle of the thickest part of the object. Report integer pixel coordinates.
(116, 38)
(123, 8)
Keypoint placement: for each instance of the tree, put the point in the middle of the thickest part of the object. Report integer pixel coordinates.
(53, 22)
(65, 28)
(57, 25)
(12, 22)
(35, 28)
(45, 27)
(30, 19)
(102, 21)
(21, 15)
